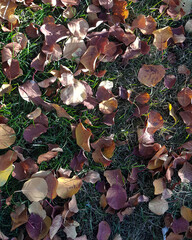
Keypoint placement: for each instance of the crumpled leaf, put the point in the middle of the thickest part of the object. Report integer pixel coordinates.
(92, 177)
(54, 32)
(104, 231)
(61, 111)
(89, 58)
(7, 10)
(67, 187)
(150, 75)
(146, 24)
(116, 197)
(174, 236)
(78, 161)
(161, 36)
(83, 137)
(107, 4)
(46, 157)
(158, 206)
(33, 115)
(35, 189)
(119, 10)
(7, 136)
(70, 229)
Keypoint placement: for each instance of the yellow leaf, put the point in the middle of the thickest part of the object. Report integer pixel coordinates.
(82, 137)
(172, 112)
(67, 187)
(186, 213)
(5, 174)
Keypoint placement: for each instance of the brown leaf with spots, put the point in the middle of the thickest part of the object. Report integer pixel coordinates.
(150, 75)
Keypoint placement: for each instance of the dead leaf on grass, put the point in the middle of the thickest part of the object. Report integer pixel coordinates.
(104, 231)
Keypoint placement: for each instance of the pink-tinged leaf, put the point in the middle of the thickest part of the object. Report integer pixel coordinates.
(184, 97)
(34, 226)
(7, 159)
(89, 58)
(39, 62)
(78, 161)
(73, 205)
(179, 225)
(78, 27)
(54, 32)
(32, 31)
(34, 131)
(52, 186)
(46, 157)
(92, 177)
(185, 173)
(109, 119)
(169, 81)
(29, 90)
(104, 231)
(116, 197)
(12, 69)
(56, 224)
(114, 177)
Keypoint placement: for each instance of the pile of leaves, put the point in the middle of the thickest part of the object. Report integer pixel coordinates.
(105, 35)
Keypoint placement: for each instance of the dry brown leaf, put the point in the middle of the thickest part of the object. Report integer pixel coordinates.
(67, 187)
(186, 213)
(61, 111)
(185, 96)
(150, 75)
(89, 58)
(7, 136)
(5, 88)
(19, 216)
(161, 36)
(74, 48)
(158, 206)
(159, 185)
(35, 189)
(33, 115)
(78, 27)
(108, 106)
(74, 94)
(146, 24)
(185, 173)
(83, 137)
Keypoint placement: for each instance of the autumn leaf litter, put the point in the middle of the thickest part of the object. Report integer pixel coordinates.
(108, 34)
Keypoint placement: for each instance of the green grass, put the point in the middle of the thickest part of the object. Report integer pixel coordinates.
(142, 224)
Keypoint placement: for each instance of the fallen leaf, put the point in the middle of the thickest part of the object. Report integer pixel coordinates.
(19, 216)
(83, 137)
(119, 10)
(67, 187)
(186, 213)
(34, 131)
(35, 189)
(61, 111)
(158, 206)
(161, 37)
(5, 88)
(4, 175)
(70, 229)
(174, 236)
(184, 97)
(159, 185)
(108, 106)
(185, 173)
(56, 224)
(116, 196)
(78, 161)
(33, 115)
(78, 27)
(89, 58)
(146, 24)
(7, 159)
(172, 112)
(46, 157)
(182, 69)
(150, 75)
(34, 226)
(179, 225)
(73, 94)
(7, 136)
(143, 98)
(36, 208)
(104, 231)
(169, 81)
(92, 177)
(188, 26)
(114, 177)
